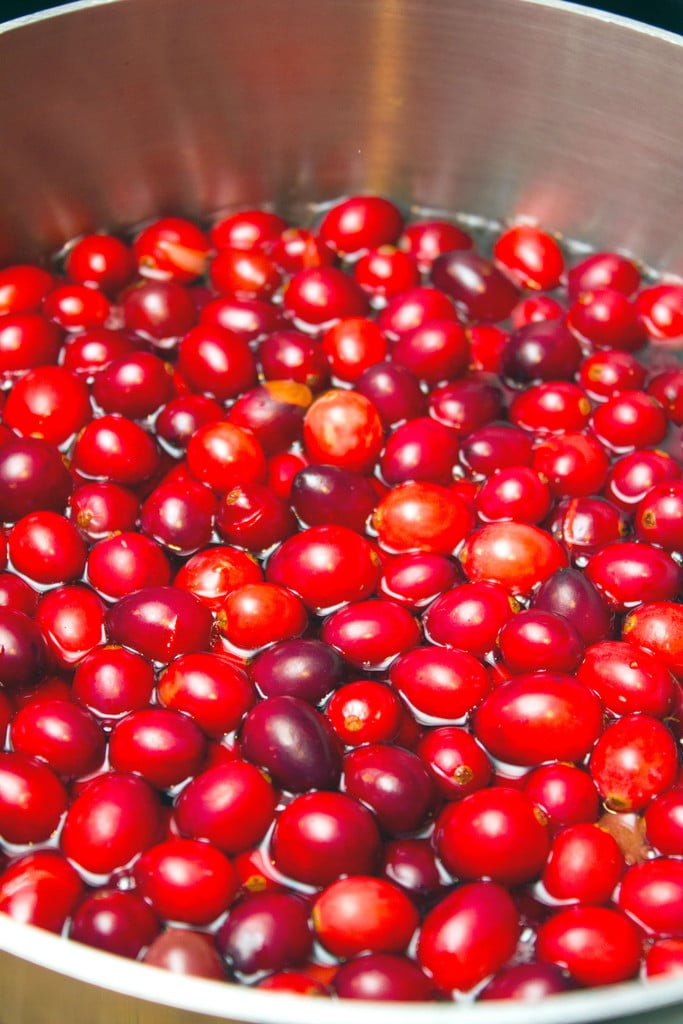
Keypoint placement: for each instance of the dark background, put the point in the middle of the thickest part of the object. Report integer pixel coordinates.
(663, 13)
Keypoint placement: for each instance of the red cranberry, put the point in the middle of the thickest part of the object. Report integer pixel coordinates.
(116, 449)
(32, 799)
(101, 261)
(586, 524)
(421, 449)
(112, 681)
(76, 307)
(23, 652)
(534, 640)
(544, 351)
(181, 417)
(518, 493)
(439, 683)
(663, 820)
(531, 256)
(343, 428)
(48, 402)
(628, 679)
(112, 820)
(569, 593)
(171, 248)
(456, 762)
(530, 983)
(16, 593)
(247, 229)
(41, 889)
(291, 355)
(425, 239)
(209, 689)
(479, 289)
(625, 572)
(265, 932)
(361, 913)
(470, 934)
(100, 509)
(258, 614)
(163, 746)
(118, 921)
(47, 548)
(23, 288)
(659, 516)
(365, 711)
(370, 634)
(359, 223)
(316, 297)
(230, 805)
(87, 353)
(421, 516)
(385, 976)
(667, 388)
(67, 737)
(254, 518)
(27, 340)
(159, 311)
(596, 945)
(415, 579)
(466, 404)
(414, 307)
(584, 865)
(386, 271)
(160, 622)
(125, 562)
(186, 880)
(186, 952)
(551, 408)
(605, 372)
(72, 620)
(606, 318)
(33, 478)
(223, 455)
(394, 391)
(660, 308)
(179, 516)
(212, 573)
(134, 385)
(518, 556)
(634, 760)
(565, 794)
(216, 361)
(603, 270)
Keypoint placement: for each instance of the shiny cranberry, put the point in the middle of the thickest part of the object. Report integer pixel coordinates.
(660, 308)
(112, 681)
(321, 835)
(385, 271)
(545, 351)
(634, 760)
(116, 449)
(468, 936)
(265, 932)
(663, 820)
(181, 417)
(59, 732)
(186, 952)
(415, 579)
(393, 782)
(33, 478)
(603, 270)
(530, 982)
(317, 296)
(323, 494)
(216, 361)
(48, 402)
(253, 517)
(351, 345)
(186, 880)
(434, 351)
(47, 548)
(171, 249)
(126, 562)
(343, 428)
(457, 763)
(370, 634)
(211, 574)
(659, 516)
(274, 412)
(223, 455)
(308, 669)
(211, 690)
(230, 805)
(23, 652)
(293, 742)
(23, 287)
(250, 319)
(516, 493)
(421, 516)
(628, 679)
(159, 311)
(539, 716)
(604, 373)
(421, 449)
(596, 945)
(551, 408)
(586, 524)
(291, 355)
(72, 620)
(297, 248)
(27, 340)
(479, 289)
(531, 256)
(247, 229)
(534, 640)
(365, 711)
(112, 820)
(536, 308)
(425, 239)
(606, 318)
(574, 464)
(565, 794)
(466, 404)
(584, 865)
(32, 800)
(440, 683)
(257, 614)
(569, 593)
(16, 593)
(116, 920)
(652, 894)
(633, 475)
(487, 342)
(133, 385)
(101, 261)
(361, 913)
(667, 388)
(469, 617)
(179, 516)
(383, 976)
(160, 622)
(76, 307)
(496, 446)
(494, 833)
(414, 307)
(516, 555)
(630, 418)
(359, 223)
(163, 746)
(86, 353)
(394, 391)
(41, 889)
(625, 572)
(100, 509)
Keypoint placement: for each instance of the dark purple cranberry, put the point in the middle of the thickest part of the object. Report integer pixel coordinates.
(479, 289)
(393, 390)
(541, 352)
(393, 782)
(411, 864)
(383, 976)
(496, 446)
(183, 416)
(293, 742)
(568, 592)
(323, 494)
(467, 404)
(33, 478)
(530, 982)
(23, 654)
(305, 668)
(266, 931)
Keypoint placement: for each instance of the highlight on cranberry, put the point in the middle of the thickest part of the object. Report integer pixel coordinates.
(341, 604)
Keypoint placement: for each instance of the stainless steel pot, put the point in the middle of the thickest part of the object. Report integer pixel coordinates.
(114, 111)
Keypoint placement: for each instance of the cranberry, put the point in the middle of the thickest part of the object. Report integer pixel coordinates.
(415, 579)
(223, 455)
(663, 819)
(247, 229)
(361, 913)
(466, 404)
(584, 865)
(48, 402)
(393, 782)
(596, 945)
(414, 307)
(116, 449)
(23, 652)
(603, 270)
(365, 711)
(383, 976)
(664, 957)
(569, 593)
(250, 319)
(529, 982)
(634, 760)
(111, 681)
(308, 669)
(394, 391)
(421, 449)
(537, 717)
(212, 573)
(16, 593)
(606, 318)
(440, 683)
(518, 556)
(659, 516)
(530, 256)
(33, 478)
(468, 936)
(265, 932)
(630, 418)
(607, 371)
(534, 640)
(72, 620)
(23, 288)
(47, 548)
(321, 835)
(359, 223)
(425, 239)
(171, 248)
(111, 821)
(667, 388)
(181, 417)
(536, 308)
(163, 746)
(370, 634)
(518, 494)
(627, 679)
(479, 289)
(115, 920)
(124, 562)
(652, 894)
(552, 407)
(209, 689)
(186, 952)
(624, 572)
(421, 516)
(316, 297)
(343, 428)
(59, 732)
(456, 762)
(101, 261)
(658, 625)
(255, 615)
(87, 353)
(230, 805)
(584, 525)
(33, 799)
(386, 271)
(216, 361)
(186, 880)
(293, 743)
(469, 617)
(326, 566)
(574, 464)
(565, 793)
(27, 340)
(100, 509)
(291, 355)
(41, 889)
(133, 385)
(160, 622)
(660, 308)
(324, 494)
(160, 312)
